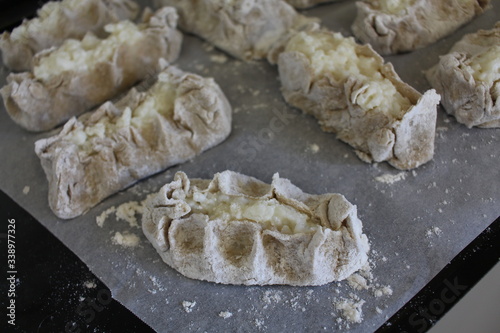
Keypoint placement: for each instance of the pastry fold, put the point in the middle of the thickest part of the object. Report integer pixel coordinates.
(468, 79)
(102, 152)
(354, 94)
(235, 229)
(57, 21)
(246, 29)
(405, 25)
(79, 75)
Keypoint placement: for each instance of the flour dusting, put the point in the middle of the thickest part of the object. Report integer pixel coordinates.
(357, 282)
(125, 239)
(218, 58)
(350, 308)
(90, 284)
(104, 216)
(434, 231)
(225, 314)
(391, 179)
(314, 148)
(128, 211)
(188, 306)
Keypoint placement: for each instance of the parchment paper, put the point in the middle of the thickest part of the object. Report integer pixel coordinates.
(415, 225)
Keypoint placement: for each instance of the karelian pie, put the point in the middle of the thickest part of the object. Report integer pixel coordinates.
(354, 94)
(81, 74)
(468, 79)
(245, 29)
(103, 152)
(57, 21)
(405, 25)
(235, 229)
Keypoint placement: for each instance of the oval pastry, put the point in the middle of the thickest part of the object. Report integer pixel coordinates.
(81, 74)
(235, 229)
(468, 78)
(246, 29)
(396, 26)
(102, 152)
(356, 95)
(57, 21)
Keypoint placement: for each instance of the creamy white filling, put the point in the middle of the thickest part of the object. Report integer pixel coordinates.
(337, 56)
(270, 213)
(80, 56)
(48, 18)
(159, 102)
(485, 66)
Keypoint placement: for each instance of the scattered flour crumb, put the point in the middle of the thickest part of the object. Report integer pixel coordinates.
(434, 230)
(188, 306)
(225, 314)
(156, 283)
(314, 148)
(391, 179)
(384, 291)
(90, 284)
(366, 272)
(269, 297)
(218, 58)
(431, 185)
(26, 190)
(126, 239)
(127, 212)
(350, 309)
(357, 282)
(104, 215)
(379, 310)
(259, 323)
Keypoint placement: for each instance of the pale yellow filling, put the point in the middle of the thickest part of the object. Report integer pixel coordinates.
(159, 101)
(80, 56)
(48, 18)
(270, 213)
(485, 66)
(337, 56)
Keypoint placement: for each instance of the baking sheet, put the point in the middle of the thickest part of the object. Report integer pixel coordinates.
(416, 224)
